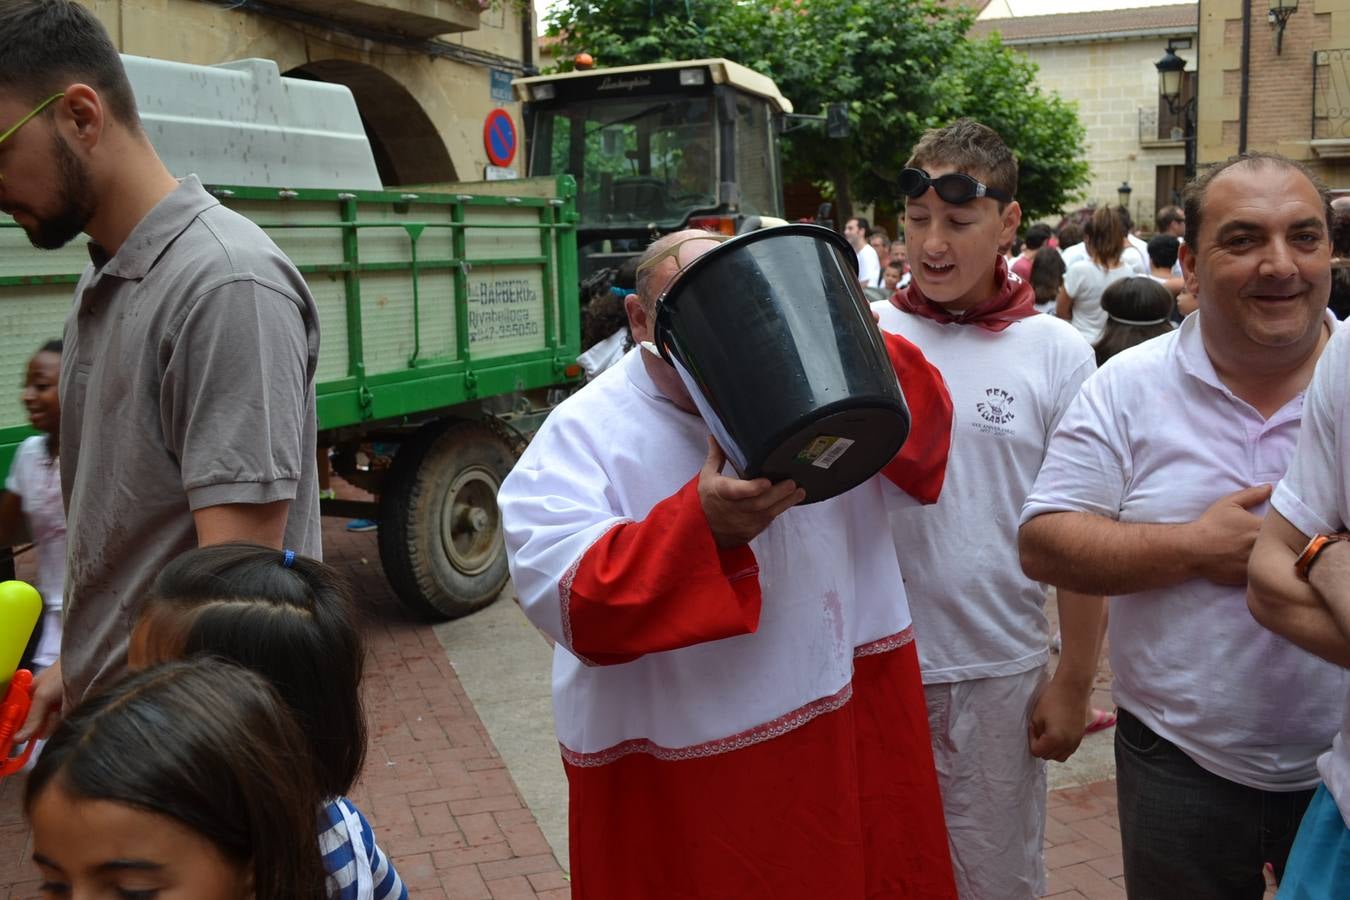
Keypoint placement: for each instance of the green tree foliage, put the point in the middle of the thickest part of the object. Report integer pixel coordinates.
(902, 66)
(997, 86)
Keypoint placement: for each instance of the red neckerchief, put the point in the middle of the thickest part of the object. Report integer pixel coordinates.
(1013, 300)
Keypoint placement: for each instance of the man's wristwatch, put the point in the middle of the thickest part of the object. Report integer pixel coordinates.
(1316, 545)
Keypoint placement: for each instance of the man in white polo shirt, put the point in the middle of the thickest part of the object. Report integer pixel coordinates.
(1151, 493)
(1300, 588)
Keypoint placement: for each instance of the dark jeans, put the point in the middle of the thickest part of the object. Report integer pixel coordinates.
(1186, 832)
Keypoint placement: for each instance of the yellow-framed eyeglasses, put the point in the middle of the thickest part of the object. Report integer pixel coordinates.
(673, 251)
(37, 110)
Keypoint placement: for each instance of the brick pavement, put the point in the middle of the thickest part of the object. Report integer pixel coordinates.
(1082, 844)
(445, 808)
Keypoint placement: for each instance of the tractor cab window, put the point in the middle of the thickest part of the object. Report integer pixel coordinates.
(757, 169)
(640, 160)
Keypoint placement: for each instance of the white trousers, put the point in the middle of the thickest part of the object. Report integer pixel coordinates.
(993, 789)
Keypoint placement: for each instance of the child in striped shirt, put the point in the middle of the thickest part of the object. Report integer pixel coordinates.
(290, 619)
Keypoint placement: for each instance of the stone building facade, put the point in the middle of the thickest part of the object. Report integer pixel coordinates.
(425, 73)
(1104, 62)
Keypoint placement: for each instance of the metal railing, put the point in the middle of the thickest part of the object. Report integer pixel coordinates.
(1331, 94)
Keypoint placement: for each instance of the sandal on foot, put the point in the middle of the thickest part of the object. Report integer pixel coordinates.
(1101, 720)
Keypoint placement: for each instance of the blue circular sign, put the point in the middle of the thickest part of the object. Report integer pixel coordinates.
(499, 137)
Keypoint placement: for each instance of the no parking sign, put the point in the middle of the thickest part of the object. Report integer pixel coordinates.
(499, 137)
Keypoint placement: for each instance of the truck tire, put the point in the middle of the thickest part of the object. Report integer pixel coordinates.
(440, 529)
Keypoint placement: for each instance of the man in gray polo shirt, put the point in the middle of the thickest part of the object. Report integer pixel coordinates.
(187, 380)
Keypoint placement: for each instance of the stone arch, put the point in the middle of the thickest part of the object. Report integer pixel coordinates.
(407, 147)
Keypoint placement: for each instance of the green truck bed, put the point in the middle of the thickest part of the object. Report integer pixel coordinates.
(448, 318)
(427, 300)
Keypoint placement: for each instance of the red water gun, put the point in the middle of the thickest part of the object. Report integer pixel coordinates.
(20, 609)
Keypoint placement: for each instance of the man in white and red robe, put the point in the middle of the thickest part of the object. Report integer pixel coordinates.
(735, 684)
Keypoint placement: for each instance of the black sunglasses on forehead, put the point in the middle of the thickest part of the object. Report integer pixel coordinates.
(954, 187)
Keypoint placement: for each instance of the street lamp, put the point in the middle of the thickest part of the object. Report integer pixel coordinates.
(1171, 76)
(1171, 69)
(1123, 194)
(1280, 11)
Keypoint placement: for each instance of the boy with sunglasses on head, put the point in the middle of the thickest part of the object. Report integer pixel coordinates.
(983, 647)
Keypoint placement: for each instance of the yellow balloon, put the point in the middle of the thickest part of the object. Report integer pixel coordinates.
(20, 608)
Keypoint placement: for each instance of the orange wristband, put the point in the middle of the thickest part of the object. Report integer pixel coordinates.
(1312, 551)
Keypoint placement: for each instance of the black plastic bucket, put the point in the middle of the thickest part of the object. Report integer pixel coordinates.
(772, 336)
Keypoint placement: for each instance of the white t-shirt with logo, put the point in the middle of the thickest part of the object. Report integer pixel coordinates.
(975, 614)
(1315, 497)
(1156, 437)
